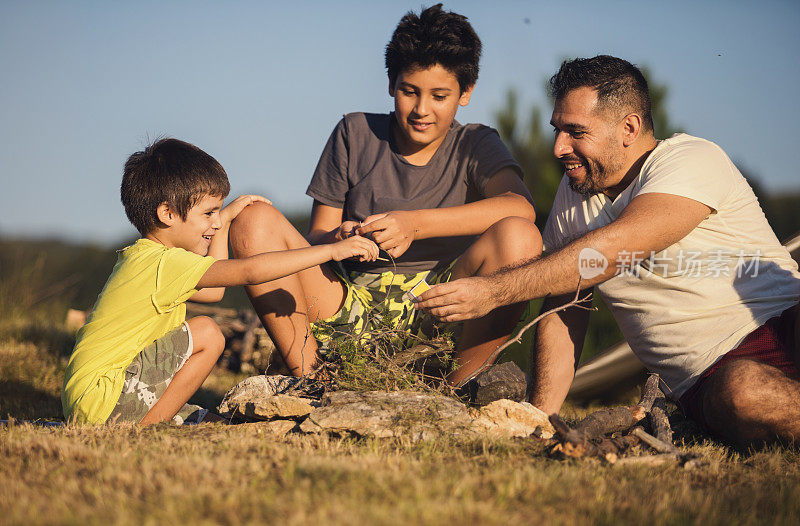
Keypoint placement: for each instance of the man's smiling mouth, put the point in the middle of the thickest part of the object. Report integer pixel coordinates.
(571, 167)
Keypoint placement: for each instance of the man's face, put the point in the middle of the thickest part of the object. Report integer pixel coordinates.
(202, 222)
(425, 104)
(587, 142)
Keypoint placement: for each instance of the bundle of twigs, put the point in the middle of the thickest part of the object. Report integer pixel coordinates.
(613, 434)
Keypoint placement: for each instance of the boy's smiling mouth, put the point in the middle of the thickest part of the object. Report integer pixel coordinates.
(418, 125)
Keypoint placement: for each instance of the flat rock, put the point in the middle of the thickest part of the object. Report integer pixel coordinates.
(506, 418)
(262, 398)
(274, 428)
(418, 416)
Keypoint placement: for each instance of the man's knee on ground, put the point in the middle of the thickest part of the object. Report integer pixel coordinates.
(734, 388)
(257, 221)
(206, 335)
(515, 239)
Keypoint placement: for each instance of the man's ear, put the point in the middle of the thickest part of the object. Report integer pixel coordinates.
(631, 128)
(463, 99)
(165, 214)
(391, 88)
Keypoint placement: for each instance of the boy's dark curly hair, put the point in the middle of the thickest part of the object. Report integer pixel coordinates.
(168, 171)
(620, 85)
(435, 37)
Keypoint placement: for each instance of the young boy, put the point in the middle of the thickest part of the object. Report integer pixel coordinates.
(136, 359)
(443, 200)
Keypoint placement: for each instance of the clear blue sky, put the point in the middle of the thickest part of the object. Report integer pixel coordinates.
(260, 85)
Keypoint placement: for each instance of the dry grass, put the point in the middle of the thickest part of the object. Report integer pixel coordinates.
(239, 474)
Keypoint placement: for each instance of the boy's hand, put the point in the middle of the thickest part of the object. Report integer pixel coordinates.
(392, 231)
(354, 246)
(227, 214)
(346, 230)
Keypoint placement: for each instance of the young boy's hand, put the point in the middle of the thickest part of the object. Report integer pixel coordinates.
(227, 214)
(346, 229)
(354, 246)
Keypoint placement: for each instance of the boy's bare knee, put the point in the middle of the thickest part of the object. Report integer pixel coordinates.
(206, 334)
(516, 239)
(253, 223)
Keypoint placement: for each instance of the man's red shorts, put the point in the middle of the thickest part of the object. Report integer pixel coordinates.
(772, 344)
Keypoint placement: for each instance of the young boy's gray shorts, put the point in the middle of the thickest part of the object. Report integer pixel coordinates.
(148, 376)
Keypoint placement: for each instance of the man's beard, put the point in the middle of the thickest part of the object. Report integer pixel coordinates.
(589, 186)
(596, 175)
(592, 184)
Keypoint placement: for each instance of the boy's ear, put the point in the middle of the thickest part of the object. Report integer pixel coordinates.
(391, 88)
(463, 99)
(165, 214)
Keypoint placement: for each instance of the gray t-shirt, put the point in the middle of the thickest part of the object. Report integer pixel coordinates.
(361, 172)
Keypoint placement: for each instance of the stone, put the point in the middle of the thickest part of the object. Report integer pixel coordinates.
(504, 381)
(270, 408)
(262, 398)
(274, 428)
(506, 418)
(411, 414)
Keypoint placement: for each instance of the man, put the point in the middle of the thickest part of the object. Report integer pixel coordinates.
(678, 247)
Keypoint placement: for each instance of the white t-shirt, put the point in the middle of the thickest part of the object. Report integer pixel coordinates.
(683, 308)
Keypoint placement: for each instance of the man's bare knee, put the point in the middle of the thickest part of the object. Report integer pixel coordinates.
(731, 387)
(748, 402)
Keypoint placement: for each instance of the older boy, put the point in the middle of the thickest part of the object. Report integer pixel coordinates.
(440, 198)
(136, 358)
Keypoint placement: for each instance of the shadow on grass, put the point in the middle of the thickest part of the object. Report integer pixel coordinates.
(25, 402)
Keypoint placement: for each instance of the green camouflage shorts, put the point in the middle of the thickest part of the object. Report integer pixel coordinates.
(149, 374)
(378, 299)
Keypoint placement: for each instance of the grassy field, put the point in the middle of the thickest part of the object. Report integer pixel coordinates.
(237, 474)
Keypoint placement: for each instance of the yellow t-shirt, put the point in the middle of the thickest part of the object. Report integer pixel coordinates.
(143, 299)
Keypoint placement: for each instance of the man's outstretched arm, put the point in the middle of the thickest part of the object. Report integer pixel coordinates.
(651, 222)
(556, 351)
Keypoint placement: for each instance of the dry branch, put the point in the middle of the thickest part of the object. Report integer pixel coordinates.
(611, 420)
(648, 460)
(650, 391)
(653, 442)
(659, 422)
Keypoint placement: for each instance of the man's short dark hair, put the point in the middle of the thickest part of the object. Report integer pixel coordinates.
(170, 171)
(620, 85)
(435, 37)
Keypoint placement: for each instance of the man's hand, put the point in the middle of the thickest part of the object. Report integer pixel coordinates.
(392, 231)
(346, 229)
(354, 246)
(462, 299)
(229, 213)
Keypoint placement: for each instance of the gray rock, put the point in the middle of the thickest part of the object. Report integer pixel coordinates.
(270, 408)
(274, 428)
(503, 381)
(411, 414)
(506, 418)
(262, 398)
